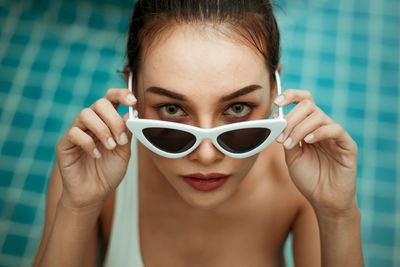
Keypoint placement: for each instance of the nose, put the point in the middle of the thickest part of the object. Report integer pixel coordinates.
(206, 153)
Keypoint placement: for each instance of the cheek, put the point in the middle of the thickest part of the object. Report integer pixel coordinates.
(168, 167)
(243, 166)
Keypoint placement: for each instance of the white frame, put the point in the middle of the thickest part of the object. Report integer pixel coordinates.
(136, 125)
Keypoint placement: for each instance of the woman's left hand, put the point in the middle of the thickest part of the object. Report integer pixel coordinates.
(320, 155)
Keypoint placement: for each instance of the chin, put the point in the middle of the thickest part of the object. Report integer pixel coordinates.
(206, 200)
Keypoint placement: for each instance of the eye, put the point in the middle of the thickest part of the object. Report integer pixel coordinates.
(171, 110)
(239, 109)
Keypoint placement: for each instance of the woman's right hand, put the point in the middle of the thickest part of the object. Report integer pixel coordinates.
(93, 154)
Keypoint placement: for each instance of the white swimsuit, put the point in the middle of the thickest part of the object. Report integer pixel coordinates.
(124, 244)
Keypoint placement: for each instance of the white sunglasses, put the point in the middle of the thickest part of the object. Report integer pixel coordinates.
(236, 140)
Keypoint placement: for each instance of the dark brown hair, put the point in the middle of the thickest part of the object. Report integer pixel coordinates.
(253, 20)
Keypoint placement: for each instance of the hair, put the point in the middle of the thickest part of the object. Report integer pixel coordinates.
(252, 20)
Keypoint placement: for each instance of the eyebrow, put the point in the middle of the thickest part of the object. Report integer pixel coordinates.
(243, 91)
(165, 92)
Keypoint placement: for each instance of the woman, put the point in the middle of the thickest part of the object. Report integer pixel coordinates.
(204, 64)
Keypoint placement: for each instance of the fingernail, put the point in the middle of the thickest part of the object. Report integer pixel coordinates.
(288, 142)
(111, 142)
(308, 138)
(131, 98)
(123, 139)
(280, 138)
(96, 153)
(279, 100)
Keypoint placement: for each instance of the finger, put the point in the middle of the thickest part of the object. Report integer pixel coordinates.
(292, 96)
(125, 117)
(89, 120)
(106, 111)
(335, 132)
(295, 116)
(315, 120)
(120, 96)
(79, 138)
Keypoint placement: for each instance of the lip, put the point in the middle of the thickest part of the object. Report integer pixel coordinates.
(205, 182)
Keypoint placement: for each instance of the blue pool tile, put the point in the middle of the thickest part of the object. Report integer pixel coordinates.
(96, 21)
(358, 87)
(386, 174)
(123, 26)
(385, 204)
(5, 86)
(89, 100)
(23, 214)
(67, 14)
(5, 177)
(10, 62)
(50, 42)
(45, 153)
(330, 57)
(35, 183)
(100, 77)
(108, 52)
(11, 148)
(78, 47)
(15, 51)
(71, 71)
(22, 120)
(382, 235)
(40, 66)
(19, 39)
(14, 245)
(356, 112)
(3, 12)
(359, 141)
(386, 145)
(390, 117)
(63, 96)
(53, 125)
(379, 262)
(32, 92)
(325, 83)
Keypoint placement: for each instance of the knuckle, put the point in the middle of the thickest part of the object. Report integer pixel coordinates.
(103, 132)
(85, 113)
(308, 94)
(88, 144)
(109, 92)
(289, 92)
(70, 134)
(101, 103)
(308, 103)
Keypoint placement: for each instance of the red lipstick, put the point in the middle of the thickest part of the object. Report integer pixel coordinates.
(205, 182)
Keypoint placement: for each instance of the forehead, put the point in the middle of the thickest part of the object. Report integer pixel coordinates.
(190, 59)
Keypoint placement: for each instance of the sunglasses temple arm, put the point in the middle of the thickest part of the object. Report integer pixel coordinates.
(130, 89)
(278, 85)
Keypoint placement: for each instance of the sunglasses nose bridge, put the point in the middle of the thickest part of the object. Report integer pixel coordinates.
(207, 134)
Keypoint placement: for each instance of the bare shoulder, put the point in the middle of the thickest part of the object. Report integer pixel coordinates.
(273, 165)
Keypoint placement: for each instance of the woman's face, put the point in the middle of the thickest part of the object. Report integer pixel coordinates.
(201, 75)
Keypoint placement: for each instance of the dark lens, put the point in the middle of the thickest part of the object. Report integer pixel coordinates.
(169, 140)
(243, 140)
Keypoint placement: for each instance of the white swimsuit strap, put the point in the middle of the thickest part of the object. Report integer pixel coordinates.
(124, 244)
